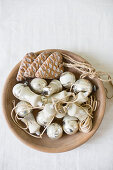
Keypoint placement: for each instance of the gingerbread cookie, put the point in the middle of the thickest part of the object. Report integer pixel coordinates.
(52, 67)
(26, 62)
(33, 68)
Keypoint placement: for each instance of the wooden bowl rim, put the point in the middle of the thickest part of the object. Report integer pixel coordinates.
(42, 148)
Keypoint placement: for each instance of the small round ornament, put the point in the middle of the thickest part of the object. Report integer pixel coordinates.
(23, 108)
(54, 131)
(37, 84)
(83, 85)
(67, 79)
(70, 125)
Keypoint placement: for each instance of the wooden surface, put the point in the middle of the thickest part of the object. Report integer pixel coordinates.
(45, 144)
(84, 27)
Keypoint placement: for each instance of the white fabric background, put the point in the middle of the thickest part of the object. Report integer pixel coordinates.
(84, 27)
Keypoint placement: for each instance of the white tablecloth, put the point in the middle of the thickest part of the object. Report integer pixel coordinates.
(84, 27)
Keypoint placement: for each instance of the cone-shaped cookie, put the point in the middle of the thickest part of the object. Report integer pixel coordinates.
(26, 62)
(52, 67)
(33, 68)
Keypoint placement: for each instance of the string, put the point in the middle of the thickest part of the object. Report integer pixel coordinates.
(92, 104)
(55, 103)
(86, 125)
(18, 118)
(47, 126)
(87, 70)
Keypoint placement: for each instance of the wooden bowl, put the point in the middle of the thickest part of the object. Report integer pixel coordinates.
(45, 144)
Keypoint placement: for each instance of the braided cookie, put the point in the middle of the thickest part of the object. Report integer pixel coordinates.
(52, 67)
(32, 69)
(26, 62)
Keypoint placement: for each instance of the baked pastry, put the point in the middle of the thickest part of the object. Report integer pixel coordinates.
(52, 67)
(25, 63)
(33, 68)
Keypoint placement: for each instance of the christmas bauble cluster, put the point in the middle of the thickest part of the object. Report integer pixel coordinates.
(52, 99)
